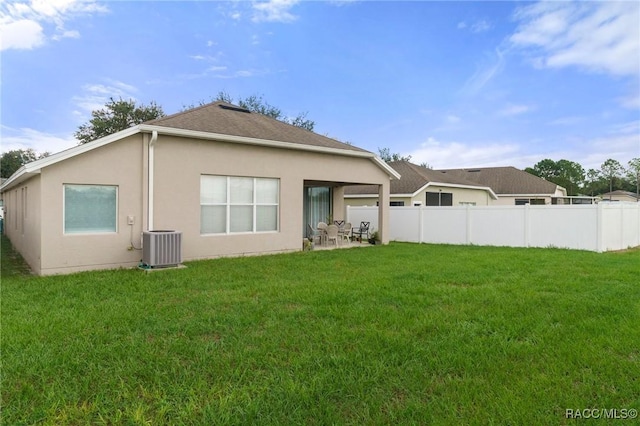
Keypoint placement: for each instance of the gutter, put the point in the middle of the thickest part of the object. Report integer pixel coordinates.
(152, 145)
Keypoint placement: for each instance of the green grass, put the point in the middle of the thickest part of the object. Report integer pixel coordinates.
(399, 334)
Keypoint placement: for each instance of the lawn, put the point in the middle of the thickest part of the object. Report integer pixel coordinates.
(399, 334)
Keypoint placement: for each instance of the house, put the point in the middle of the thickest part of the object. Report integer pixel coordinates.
(231, 181)
(420, 186)
(453, 187)
(624, 196)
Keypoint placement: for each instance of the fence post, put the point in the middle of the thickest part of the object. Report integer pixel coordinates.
(527, 223)
(599, 230)
(468, 228)
(420, 224)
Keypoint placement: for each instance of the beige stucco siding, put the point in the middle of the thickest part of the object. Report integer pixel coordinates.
(22, 220)
(117, 164)
(180, 162)
(460, 195)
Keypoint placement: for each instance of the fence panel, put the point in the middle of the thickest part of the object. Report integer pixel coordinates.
(498, 226)
(444, 225)
(405, 224)
(572, 226)
(601, 227)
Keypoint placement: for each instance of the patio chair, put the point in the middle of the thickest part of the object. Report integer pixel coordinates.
(332, 234)
(312, 234)
(363, 229)
(322, 229)
(345, 233)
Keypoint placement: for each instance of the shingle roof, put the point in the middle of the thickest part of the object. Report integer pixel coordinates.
(620, 192)
(505, 180)
(223, 118)
(413, 177)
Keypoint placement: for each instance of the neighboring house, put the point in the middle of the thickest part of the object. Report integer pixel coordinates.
(512, 186)
(620, 196)
(453, 187)
(233, 182)
(419, 186)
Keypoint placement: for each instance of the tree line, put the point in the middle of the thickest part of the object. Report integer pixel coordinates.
(121, 114)
(611, 176)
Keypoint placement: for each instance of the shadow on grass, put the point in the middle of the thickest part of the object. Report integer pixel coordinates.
(11, 262)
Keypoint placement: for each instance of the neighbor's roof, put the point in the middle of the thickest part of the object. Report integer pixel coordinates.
(224, 118)
(505, 180)
(215, 121)
(621, 193)
(414, 178)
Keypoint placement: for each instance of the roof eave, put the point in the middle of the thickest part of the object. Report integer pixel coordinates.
(34, 167)
(457, 185)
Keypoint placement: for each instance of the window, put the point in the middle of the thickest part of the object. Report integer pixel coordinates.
(396, 203)
(230, 204)
(90, 209)
(532, 201)
(439, 199)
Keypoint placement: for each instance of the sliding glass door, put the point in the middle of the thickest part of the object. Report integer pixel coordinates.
(317, 206)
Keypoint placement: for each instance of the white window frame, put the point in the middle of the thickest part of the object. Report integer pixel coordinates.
(64, 212)
(254, 204)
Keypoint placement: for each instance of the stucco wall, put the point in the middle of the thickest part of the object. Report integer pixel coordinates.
(22, 221)
(180, 162)
(178, 166)
(119, 164)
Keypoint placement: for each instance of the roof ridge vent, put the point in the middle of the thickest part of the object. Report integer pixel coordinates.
(234, 108)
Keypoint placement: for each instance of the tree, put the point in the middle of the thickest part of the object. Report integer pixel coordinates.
(117, 115)
(12, 160)
(568, 174)
(593, 182)
(611, 170)
(257, 104)
(633, 173)
(387, 156)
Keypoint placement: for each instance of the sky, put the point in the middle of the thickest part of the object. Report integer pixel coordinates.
(452, 84)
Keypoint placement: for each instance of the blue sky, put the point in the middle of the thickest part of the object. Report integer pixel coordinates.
(453, 84)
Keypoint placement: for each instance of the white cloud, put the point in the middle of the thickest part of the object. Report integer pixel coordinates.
(512, 110)
(597, 36)
(274, 11)
(95, 96)
(442, 155)
(476, 27)
(22, 34)
(27, 25)
(453, 119)
(25, 138)
(480, 26)
(484, 73)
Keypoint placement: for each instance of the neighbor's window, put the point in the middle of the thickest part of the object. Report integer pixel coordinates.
(230, 204)
(90, 209)
(439, 199)
(396, 203)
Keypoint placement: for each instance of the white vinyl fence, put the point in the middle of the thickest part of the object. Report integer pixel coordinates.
(598, 227)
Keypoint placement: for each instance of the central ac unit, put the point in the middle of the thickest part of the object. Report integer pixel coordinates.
(161, 248)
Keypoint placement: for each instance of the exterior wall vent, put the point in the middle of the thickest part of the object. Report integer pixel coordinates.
(161, 248)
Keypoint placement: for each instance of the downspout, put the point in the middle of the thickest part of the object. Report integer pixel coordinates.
(152, 144)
